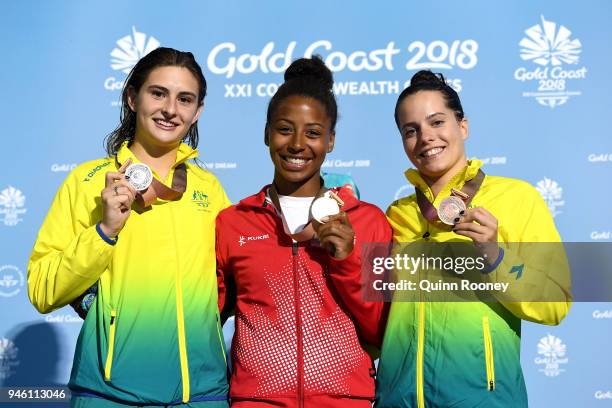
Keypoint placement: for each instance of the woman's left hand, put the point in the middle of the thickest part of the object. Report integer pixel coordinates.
(337, 235)
(481, 226)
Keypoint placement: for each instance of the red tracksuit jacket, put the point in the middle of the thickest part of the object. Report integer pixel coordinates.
(300, 317)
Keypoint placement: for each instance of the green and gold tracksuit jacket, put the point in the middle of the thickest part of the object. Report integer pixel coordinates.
(466, 354)
(153, 335)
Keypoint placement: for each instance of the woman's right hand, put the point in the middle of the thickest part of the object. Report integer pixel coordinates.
(337, 235)
(117, 198)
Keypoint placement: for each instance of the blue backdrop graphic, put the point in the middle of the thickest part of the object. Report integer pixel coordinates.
(533, 78)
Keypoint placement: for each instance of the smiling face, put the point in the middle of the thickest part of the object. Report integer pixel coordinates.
(166, 106)
(299, 136)
(433, 138)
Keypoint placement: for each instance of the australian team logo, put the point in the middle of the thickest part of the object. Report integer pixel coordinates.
(127, 52)
(200, 199)
(12, 206)
(552, 356)
(553, 72)
(8, 358)
(552, 193)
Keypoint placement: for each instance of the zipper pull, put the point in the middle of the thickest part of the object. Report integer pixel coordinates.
(491, 385)
(294, 248)
(112, 320)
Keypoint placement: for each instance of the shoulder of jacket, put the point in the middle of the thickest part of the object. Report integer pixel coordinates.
(201, 174)
(227, 212)
(402, 202)
(236, 211)
(367, 207)
(234, 217)
(92, 170)
(510, 184)
(204, 181)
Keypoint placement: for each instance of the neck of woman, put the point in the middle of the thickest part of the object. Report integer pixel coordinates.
(304, 188)
(437, 183)
(161, 159)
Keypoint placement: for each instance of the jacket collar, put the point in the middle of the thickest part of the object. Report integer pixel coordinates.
(457, 182)
(184, 153)
(259, 200)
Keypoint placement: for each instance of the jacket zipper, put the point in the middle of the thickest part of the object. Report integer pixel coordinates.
(298, 322)
(180, 322)
(111, 346)
(488, 348)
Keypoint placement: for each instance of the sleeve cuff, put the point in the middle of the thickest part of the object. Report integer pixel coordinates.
(495, 264)
(105, 237)
(352, 257)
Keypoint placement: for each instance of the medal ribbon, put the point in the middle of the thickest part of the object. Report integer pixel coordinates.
(470, 188)
(308, 232)
(158, 189)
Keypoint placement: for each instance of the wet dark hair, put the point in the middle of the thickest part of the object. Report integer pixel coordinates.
(307, 77)
(160, 57)
(429, 81)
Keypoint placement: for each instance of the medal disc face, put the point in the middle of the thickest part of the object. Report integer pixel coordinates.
(449, 209)
(139, 175)
(323, 207)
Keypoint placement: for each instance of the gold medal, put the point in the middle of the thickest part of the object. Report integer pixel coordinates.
(323, 207)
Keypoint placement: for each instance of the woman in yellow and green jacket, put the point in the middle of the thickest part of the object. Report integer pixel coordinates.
(466, 354)
(152, 335)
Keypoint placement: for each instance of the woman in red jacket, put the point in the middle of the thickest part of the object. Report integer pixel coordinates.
(300, 318)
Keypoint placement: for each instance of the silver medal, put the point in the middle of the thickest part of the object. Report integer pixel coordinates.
(450, 208)
(139, 175)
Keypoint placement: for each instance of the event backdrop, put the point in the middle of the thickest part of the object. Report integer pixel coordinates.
(533, 77)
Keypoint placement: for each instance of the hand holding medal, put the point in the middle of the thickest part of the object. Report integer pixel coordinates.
(140, 177)
(150, 189)
(332, 225)
(117, 198)
(481, 226)
(475, 223)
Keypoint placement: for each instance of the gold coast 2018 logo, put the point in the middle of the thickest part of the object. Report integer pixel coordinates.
(552, 356)
(555, 55)
(12, 206)
(128, 50)
(230, 60)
